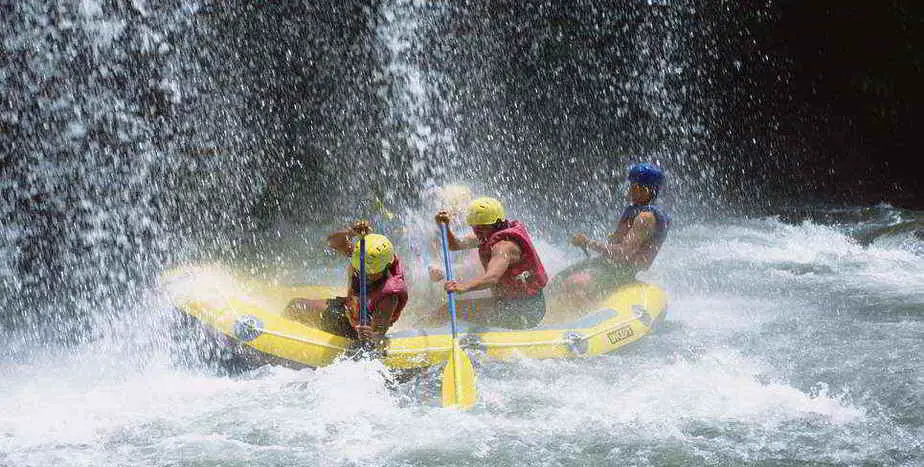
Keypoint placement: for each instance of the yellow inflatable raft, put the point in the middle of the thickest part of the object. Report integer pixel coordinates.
(259, 315)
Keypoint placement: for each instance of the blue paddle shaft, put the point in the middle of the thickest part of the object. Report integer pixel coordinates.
(447, 264)
(363, 285)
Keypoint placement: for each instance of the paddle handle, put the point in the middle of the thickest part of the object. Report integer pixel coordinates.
(447, 264)
(454, 353)
(363, 284)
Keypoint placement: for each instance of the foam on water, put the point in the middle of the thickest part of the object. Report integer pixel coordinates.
(732, 377)
(807, 252)
(140, 137)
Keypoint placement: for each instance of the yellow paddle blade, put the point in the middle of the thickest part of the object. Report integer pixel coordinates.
(459, 380)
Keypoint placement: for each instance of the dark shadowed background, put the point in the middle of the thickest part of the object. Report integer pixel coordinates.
(854, 71)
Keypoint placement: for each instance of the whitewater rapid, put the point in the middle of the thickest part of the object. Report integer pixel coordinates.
(785, 342)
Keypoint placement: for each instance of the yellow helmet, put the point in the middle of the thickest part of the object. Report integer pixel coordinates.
(485, 211)
(379, 254)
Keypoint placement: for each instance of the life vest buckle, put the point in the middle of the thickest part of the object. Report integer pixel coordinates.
(523, 276)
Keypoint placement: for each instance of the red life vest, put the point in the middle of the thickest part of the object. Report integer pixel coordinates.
(526, 277)
(392, 285)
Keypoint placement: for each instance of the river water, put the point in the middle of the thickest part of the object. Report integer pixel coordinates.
(137, 135)
(792, 339)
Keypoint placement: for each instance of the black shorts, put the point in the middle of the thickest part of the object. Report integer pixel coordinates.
(513, 313)
(334, 319)
(605, 275)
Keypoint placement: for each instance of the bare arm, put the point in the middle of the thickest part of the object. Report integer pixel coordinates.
(341, 242)
(638, 234)
(455, 243)
(381, 320)
(465, 243)
(503, 255)
(620, 234)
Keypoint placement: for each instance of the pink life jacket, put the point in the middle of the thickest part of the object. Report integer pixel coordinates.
(392, 285)
(526, 277)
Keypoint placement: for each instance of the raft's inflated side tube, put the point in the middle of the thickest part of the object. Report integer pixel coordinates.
(252, 313)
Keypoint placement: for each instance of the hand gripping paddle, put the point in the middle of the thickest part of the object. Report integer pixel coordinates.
(459, 375)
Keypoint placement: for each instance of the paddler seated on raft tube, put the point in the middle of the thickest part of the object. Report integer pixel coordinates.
(386, 290)
(512, 268)
(640, 232)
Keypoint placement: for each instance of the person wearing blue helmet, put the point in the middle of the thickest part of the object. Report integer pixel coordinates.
(631, 248)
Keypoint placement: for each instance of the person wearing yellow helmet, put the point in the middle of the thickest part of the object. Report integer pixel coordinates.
(512, 269)
(387, 292)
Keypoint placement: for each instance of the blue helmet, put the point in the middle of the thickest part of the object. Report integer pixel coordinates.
(646, 175)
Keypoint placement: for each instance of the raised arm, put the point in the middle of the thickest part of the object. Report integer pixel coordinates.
(342, 240)
(455, 243)
(465, 243)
